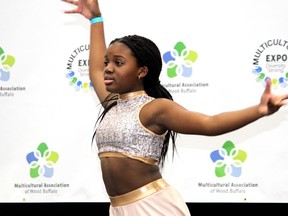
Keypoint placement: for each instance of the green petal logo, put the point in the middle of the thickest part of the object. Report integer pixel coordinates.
(228, 160)
(179, 61)
(6, 63)
(42, 161)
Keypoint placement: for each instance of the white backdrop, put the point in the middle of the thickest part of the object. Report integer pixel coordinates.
(46, 101)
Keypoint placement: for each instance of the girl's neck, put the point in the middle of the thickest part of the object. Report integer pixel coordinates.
(130, 95)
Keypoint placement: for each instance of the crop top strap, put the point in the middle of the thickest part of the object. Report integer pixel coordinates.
(123, 155)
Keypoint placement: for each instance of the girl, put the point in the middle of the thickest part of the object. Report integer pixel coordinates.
(140, 118)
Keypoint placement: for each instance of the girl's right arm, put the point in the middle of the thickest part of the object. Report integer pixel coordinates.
(90, 9)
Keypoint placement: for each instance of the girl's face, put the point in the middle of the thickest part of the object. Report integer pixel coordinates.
(121, 71)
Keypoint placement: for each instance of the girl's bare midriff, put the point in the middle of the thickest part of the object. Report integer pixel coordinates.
(122, 175)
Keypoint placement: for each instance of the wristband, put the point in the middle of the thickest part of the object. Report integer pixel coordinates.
(96, 20)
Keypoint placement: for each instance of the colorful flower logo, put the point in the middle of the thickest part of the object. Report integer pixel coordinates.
(42, 161)
(6, 62)
(263, 77)
(179, 61)
(77, 83)
(228, 160)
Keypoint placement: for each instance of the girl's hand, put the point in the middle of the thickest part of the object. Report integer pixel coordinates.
(88, 8)
(271, 103)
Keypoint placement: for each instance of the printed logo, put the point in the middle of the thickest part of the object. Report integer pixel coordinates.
(6, 63)
(78, 69)
(42, 161)
(228, 160)
(270, 62)
(179, 70)
(179, 61)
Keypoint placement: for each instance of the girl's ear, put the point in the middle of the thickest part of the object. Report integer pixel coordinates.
(142, 72)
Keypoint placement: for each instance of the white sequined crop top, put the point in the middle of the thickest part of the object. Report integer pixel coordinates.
(121, 131)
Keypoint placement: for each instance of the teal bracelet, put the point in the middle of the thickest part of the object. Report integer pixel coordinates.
(96, 20)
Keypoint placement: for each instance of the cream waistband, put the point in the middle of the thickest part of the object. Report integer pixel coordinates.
(123, 155)
(139, 193)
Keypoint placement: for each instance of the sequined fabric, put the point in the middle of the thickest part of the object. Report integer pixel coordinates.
(121, 131)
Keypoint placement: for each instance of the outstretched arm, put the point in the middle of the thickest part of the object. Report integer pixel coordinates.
(90, 9)
(269, 104)
(177, 118)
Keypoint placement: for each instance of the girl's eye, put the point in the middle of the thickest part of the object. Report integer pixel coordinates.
(105, 63)
(118, 63)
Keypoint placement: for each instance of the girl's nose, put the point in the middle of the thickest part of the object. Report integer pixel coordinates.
(109, 68)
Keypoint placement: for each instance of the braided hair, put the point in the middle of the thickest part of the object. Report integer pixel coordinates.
(147, 54)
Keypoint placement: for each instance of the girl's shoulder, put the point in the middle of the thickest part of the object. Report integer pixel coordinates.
(159, 103)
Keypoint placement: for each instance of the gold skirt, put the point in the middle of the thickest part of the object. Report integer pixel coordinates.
(164, 200)
(139, 193)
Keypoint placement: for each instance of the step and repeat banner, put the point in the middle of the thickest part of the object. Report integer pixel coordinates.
(216, 57)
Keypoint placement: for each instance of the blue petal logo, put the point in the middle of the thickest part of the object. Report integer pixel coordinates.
(6, 63)
(179, 61)
(228, 160)
(42, 161)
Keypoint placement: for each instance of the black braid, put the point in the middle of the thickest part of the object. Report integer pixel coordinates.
(148, 54)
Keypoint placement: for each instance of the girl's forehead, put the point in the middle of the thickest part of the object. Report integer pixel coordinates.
(119, 49)
(118, 45)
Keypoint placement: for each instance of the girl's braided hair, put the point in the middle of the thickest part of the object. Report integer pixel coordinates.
(147, 54)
